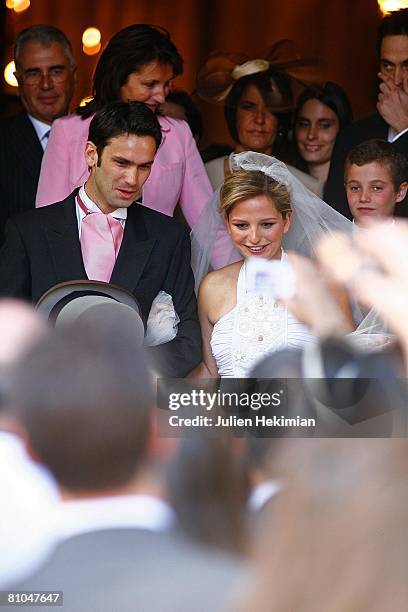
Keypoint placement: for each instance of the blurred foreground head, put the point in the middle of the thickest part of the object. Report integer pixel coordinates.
(337, 537)
(20, 328)
(83, 395)
(208, 488)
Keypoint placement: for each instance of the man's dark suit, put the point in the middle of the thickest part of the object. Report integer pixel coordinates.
(20, 163)
(356, 133)
(42, 248)
(135, 570)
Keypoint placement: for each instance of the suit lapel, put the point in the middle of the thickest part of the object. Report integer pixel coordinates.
(380, 127)
(26, 144)
(61, 230)
(134, 252)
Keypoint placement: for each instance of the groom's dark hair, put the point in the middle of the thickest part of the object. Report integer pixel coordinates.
(118, 118)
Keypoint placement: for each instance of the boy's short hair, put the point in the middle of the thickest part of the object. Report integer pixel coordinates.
(383, 153)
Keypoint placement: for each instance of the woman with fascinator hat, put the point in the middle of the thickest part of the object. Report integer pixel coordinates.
(258, 103)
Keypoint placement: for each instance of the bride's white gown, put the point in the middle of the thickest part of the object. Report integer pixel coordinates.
(257, 326)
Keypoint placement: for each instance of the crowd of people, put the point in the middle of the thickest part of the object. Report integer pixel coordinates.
(286, 277)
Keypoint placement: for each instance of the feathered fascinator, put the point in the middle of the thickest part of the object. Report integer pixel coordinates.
(221, 70)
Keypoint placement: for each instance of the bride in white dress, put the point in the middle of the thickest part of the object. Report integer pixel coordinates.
(239, 326)
(260, 208)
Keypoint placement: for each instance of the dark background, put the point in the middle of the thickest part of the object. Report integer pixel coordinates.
(341, 33)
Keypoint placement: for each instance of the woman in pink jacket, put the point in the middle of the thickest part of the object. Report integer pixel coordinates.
(138, 64)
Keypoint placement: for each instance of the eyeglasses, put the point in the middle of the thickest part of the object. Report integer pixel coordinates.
(33, 76)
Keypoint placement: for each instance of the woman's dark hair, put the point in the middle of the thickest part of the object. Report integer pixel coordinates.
(119, 118)
(333, 96)
(264, 82)
(126, 52)
(193, 115)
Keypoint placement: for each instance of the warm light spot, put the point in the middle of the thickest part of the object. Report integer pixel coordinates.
(91, 37)
(9, 74)
(21, 5)
(387, 6)
(91, 50)
(85, 100)
(10, 3)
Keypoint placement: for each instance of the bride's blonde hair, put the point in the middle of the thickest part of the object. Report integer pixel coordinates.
(243, 184)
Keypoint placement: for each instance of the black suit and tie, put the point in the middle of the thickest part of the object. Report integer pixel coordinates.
(356, 133)
(42, 248)
(20, 163)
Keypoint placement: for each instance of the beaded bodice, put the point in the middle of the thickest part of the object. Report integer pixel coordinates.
(257, 326)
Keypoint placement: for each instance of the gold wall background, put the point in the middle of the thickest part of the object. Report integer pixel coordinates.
(342, 33)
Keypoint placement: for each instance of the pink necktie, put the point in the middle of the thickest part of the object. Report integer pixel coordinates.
(101, 237)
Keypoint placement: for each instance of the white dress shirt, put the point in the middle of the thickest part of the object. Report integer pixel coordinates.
(114, 512)
(393, 135)
(361, 228)
(119, 213)
(42, 129)
(29, 497)
(262, 493)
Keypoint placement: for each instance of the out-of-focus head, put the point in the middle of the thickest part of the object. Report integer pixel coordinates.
(20, 328)
(376, 179)
(137, 64)
(257, 212)
(83, 395)
(321, 111)
(392, 45)
(208, 488)
(346, 503)
(251, 110)
(122, 142)
(45, 71)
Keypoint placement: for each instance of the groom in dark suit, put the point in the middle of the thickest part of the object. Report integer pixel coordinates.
(45, 71)
(99, 232)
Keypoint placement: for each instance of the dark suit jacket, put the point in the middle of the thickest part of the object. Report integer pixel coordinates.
(42, 248)
(356, 133)
(133, 570)
(20, 163)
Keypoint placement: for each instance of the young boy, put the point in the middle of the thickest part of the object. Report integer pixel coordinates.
(375, 178)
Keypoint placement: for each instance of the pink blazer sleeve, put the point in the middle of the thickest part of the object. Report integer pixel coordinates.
(178, 174)
(63, 165)
(196, 188)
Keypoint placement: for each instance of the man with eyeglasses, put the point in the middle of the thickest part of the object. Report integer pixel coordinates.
(45, 71)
